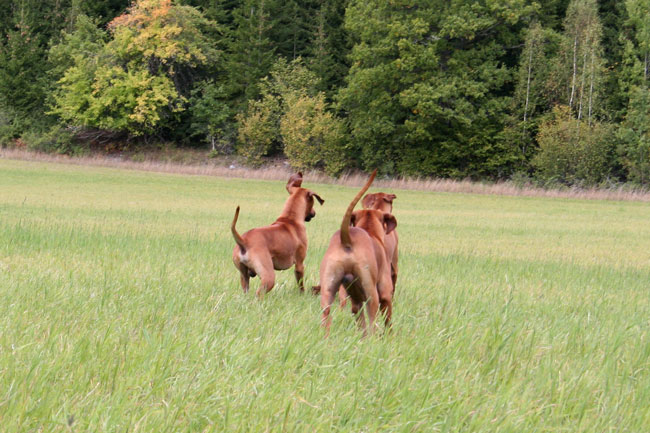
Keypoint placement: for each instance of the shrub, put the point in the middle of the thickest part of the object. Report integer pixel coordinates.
(7, 133)
(572, 152)
(57, 139)
(209, 114)
(634, 150)
(634, 136)
(312, 137)
(258, 130)
(294, 117)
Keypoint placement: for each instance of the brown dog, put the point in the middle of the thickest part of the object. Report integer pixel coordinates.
(382, 202)
(357, 259)
(278, 246)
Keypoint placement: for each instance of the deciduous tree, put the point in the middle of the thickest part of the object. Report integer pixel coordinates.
(138, 80)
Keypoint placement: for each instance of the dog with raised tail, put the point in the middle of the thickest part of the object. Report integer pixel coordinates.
(356, 258)
(263, 250)
(382, 202)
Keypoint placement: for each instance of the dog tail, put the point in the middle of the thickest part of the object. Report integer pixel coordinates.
(346, 241)
(238, 238)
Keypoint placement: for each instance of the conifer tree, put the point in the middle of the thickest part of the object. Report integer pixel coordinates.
(294, 21)
(250, 49)
(613, 16)
(22, 69)
(329, 47)
(426, 89)
(635, 82)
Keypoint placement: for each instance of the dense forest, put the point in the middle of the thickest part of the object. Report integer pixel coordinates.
(551, 90)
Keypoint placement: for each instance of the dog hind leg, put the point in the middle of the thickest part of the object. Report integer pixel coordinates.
(369, 289)
(357, 310)
(329, 284)
(343, 293)
(263, 266)
(343, 296)
(244, 277)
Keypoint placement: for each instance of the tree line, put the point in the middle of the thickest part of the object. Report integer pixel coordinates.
(551, 90)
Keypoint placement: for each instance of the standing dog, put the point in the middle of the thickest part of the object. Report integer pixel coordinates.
(356, 258)
(278, 246)
(382, 202)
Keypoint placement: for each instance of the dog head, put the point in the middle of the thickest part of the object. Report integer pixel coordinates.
(294, 186)
(380, 201)
(375, 222)
(310, 196)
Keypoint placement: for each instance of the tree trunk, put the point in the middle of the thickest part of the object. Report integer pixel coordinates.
(530, 67)
(582, 84)
(575, 66)
(591, 85)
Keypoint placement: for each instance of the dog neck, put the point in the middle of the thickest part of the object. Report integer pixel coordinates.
(294, 207)
(371, 225)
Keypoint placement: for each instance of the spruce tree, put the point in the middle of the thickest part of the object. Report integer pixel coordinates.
(426, 93)
(294, 21)
(635, 83)
(327, 53)
(251, 51)
(613, 16)
(23, 81)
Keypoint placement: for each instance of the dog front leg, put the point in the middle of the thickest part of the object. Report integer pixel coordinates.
(386, 307)
(394, 270)
(372, 305)
(299, 271)
(386, 289)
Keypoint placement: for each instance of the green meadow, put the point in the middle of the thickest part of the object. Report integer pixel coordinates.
(121, 311)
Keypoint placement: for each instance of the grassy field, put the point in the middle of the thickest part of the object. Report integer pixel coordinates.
(120, 310)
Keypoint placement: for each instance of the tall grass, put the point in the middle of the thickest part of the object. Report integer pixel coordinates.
(120, 310)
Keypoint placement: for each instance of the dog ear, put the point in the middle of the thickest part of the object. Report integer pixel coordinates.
(368, 201)
(390, 222)
(295, 181)
(389, 198)
(320, 200)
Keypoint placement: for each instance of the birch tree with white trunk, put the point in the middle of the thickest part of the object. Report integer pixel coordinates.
(579, 69)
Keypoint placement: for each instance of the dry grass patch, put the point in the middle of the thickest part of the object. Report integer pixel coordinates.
(281, 172)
